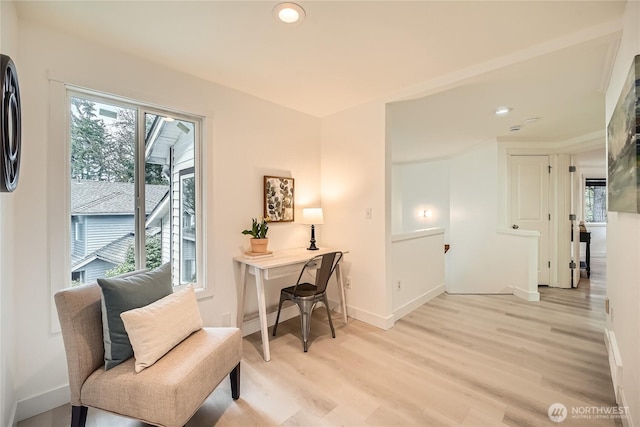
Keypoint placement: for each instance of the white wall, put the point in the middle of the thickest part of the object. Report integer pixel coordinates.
(356, 177)
(417, 269)
(481, 259)
(623, 243)
(8, 345)
(598, 240)
(418, 187)
(466, 196)
(396, 200)
(245, 139)
(417, 250)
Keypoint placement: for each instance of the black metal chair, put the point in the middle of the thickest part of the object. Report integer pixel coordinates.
(307, 295)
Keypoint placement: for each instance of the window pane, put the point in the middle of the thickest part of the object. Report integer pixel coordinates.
(107, 145)
(102, 189)
(595, 201)
(170, 189)
(188, 226)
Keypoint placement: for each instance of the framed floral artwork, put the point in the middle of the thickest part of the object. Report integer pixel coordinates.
(278, 199)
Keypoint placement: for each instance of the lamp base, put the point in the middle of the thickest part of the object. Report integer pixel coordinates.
(312, 246)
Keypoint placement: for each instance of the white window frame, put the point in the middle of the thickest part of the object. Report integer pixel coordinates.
(58, 194)
(584, 197)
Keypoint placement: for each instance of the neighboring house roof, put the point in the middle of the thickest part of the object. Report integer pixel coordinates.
(114, 252)
(111, 198)
(159, 212)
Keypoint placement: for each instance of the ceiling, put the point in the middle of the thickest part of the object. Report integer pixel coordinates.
(548, 59)
(564, 90)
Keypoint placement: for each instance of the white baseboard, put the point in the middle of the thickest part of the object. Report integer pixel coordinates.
(615, 366)
(13, 422)
(615, 362)
(43, 402)
(407, 308)
(378, 321)
(627, 421)
(526, 295)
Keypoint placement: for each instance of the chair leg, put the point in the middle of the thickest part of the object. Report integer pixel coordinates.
(275, 327)
(234, 376)
(78, 416)
(326, 304)
(306, 308)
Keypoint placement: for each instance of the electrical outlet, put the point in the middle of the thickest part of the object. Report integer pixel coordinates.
(347, 282)
(398, 284)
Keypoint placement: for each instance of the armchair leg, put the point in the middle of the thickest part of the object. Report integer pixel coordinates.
(234, 376)
(78, 416)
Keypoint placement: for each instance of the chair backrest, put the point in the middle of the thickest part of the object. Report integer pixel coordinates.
(80, 314)
(328, 263)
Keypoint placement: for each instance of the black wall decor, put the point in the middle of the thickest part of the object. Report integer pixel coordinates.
(10, 126)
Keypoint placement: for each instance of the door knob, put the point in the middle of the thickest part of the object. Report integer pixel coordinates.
(515, 226)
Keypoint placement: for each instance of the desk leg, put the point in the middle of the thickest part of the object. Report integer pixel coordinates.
(343, 299)
(262, 310)
(242, 287)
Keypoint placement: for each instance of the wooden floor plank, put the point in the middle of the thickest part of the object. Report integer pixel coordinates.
(459, 360)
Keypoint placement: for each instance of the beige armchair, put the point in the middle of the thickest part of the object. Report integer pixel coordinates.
(165, 394)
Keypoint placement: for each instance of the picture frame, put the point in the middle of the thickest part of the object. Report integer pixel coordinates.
(623, 145)
(279, 199)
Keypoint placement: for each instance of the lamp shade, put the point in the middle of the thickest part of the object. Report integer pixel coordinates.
(312, 216)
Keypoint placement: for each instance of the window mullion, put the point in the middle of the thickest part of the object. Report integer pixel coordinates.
(140, 240)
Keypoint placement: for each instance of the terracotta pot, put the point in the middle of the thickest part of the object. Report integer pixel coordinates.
(259, 246)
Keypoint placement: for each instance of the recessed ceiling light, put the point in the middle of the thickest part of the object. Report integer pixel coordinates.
(530, 120)
(515, 128)
(289, 13)
(502, 111)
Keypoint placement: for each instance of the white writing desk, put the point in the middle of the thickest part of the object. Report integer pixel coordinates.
(288, 262)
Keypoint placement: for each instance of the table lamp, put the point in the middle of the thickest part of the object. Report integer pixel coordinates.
(312, 216)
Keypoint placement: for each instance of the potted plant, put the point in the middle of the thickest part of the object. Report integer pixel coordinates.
(258, 231)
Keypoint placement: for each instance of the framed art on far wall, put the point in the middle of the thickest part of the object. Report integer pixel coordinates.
(278, 199)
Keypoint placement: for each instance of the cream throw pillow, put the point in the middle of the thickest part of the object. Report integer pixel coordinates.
(158, 327)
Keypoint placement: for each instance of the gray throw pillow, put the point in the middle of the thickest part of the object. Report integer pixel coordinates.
(125, 293)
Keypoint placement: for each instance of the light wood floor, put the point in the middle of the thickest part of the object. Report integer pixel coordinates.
(458, 360)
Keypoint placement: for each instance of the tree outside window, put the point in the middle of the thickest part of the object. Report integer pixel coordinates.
(595, 200)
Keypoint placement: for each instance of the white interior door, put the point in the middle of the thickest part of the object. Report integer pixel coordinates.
(529, 199)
